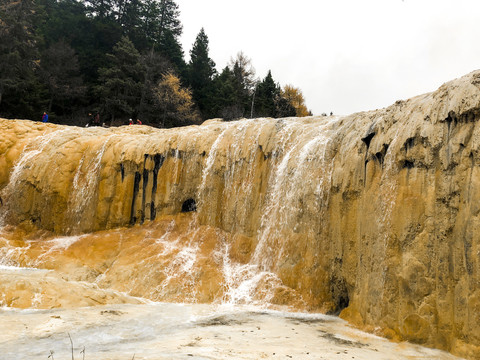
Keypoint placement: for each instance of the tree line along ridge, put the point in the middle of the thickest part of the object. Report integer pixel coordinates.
(123, 59)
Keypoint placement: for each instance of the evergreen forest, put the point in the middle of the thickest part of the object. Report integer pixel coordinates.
(123, 59)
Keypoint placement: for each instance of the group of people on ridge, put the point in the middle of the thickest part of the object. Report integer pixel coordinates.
(130, 122)
(93, 119)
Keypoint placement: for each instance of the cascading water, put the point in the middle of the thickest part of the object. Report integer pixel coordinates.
(360, 216)
(85, 185)
(27, 160)
(292, 188)
(185, 257)
(237, 144)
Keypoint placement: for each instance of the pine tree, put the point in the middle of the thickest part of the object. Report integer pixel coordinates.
(242, 88)
(201, 71)
(121, 82)
(159, 18)
(266, 94)
(101, 8)
(283, 108)
(129, 17)
(224, 101)
(19, 84)
(60, 72)
(172, 50)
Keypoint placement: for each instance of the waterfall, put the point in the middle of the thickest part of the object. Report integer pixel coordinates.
(370, 216)
(28, 160)
(85, 185)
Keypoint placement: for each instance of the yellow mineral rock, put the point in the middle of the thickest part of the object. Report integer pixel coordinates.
(374, 215)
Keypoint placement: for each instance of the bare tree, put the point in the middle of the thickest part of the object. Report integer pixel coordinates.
(246, 69)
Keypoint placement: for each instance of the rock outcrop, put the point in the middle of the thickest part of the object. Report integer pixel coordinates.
(373, 215)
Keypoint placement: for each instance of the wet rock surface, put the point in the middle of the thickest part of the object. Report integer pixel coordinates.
(372, 215)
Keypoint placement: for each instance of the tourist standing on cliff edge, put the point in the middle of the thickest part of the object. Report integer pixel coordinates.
(45, 117)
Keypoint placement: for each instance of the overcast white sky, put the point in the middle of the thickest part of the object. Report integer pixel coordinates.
(345, 55)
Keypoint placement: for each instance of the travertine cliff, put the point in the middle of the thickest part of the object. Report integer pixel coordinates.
(374, 214)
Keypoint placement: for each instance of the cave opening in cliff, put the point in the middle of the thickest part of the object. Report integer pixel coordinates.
(342, 302)
(189, 205)
(339, 291)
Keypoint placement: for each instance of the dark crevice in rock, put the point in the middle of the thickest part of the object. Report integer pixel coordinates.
(380, 155)
(406, 164)
(451, 118)
(368, 139)
(136, 187)
(158, 160)
(469, 116)
(189, 205)
(265, 155)
(465, 117)
(153, 211)
(175, 153)
(339, 292)
(122, 171)
(365, 172)
(409, 143)
(144, 192)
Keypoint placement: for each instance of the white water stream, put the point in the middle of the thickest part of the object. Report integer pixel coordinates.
(237, 325)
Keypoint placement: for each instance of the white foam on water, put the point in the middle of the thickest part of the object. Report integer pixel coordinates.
(49, 247)
(12, 255)
(11, 268)
(245, 284)
(63, 242)
(180, 269)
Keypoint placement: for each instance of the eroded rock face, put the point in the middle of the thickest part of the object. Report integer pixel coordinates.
(373, 214)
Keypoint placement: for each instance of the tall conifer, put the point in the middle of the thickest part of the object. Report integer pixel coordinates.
(19, 84)
(121, 82)
(267, 91)
(201, 70)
